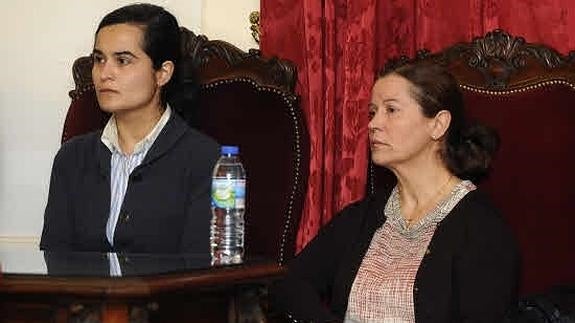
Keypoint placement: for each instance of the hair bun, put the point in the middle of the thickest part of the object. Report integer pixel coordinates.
(474, 154)
(478, 136)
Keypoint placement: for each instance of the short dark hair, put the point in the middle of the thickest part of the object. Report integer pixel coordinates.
(161, 35)
(468, 148)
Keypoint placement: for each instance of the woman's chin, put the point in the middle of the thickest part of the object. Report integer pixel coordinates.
(382, 161)
(110, 107)
(107, 105)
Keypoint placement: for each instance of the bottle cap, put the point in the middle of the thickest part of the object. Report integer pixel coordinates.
(230, 150)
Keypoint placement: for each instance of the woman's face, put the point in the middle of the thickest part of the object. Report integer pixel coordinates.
(123, 74)
(398, 130)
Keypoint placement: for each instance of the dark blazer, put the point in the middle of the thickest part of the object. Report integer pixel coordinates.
(70, 263)
(469, 273)
(166, 208)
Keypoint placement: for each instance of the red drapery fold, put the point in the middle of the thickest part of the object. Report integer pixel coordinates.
(338, 45)
(331, 42)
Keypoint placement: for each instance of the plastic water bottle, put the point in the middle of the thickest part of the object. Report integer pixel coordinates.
(228, 206)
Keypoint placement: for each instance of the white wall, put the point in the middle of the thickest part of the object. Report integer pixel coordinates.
(232, 17)
(39, 41)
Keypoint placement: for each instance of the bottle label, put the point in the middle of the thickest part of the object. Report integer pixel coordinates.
(229, 193)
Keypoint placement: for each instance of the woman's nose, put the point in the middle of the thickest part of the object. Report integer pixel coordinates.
(104, 70)
(375, 122)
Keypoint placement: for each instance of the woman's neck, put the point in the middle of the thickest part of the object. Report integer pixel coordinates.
(422, 185)
(135, 125)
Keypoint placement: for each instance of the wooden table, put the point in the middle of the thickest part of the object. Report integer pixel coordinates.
(193, 291)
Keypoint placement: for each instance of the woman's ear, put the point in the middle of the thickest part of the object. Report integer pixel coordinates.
(164, 73)
(440, 124)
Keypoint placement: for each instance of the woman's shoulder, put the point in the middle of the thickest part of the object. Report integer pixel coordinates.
(477, 205)
(201, 139)
(368, 210)
(481, 218)
(79, 144)
(192, 138)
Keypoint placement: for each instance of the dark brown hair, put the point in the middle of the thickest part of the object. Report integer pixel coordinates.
(468, 148)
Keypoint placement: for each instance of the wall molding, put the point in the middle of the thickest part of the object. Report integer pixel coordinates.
(20, 239)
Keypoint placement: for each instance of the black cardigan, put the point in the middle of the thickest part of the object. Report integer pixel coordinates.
(166, 208)
(469, 273)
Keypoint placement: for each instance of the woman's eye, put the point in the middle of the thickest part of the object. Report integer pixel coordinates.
(371, 110)
(123, 60)
(390, 109)
(98, 59)
(371, 114)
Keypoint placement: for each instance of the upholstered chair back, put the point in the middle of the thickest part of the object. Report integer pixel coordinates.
(240, 99)
(527, 93)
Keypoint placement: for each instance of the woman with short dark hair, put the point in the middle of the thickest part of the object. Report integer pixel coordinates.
(435, 249)
(143, 183)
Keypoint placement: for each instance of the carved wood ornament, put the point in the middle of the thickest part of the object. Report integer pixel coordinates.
(499, 61)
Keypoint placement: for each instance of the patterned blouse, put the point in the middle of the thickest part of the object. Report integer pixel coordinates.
(383, 287)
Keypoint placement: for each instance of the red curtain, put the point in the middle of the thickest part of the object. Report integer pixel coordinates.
(338, 45)
(404, 26)
(331, 43)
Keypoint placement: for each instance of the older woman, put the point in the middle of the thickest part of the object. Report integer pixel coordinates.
(435, 249)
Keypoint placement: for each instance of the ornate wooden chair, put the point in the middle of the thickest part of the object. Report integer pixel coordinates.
(527, 92)
(245, 100)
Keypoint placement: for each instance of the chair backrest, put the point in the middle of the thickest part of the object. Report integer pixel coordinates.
(245, 100)
(527, 93)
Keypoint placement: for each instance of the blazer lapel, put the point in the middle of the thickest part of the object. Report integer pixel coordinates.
(103, 189)
(174, 129)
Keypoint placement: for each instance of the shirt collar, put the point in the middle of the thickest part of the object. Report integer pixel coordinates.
(110, 134)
